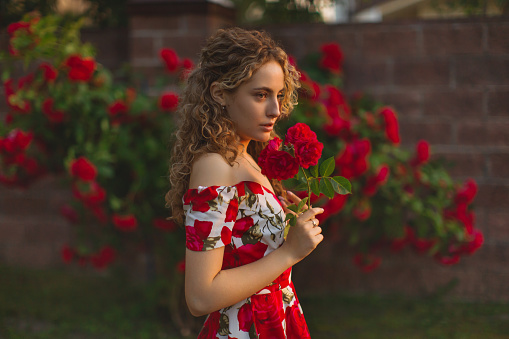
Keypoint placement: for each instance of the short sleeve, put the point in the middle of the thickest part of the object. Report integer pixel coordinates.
(210, 213)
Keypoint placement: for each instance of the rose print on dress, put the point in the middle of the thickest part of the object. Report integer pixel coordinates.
(248, 220)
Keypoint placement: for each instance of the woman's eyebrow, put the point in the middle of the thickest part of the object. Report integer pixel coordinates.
(263, 88)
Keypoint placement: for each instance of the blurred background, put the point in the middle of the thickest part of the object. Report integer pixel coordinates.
(443, 65)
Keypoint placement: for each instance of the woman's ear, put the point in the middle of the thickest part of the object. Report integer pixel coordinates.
(217, 93)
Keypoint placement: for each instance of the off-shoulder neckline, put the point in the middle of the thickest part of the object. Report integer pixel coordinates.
(240, 182)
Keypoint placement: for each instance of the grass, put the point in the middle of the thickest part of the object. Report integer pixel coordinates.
(60, 304)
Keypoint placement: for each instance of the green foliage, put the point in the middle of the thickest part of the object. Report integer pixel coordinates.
(80, 113)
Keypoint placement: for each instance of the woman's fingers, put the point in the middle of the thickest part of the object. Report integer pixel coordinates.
(293, 197)
(310, 213)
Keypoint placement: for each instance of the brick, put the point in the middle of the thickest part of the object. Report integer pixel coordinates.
(34, 256)
(450, 39)
(380, 41)
(11, 231)
(464, 164)
(497, 38)
(483, 133)
(476, 71)
(48, 230)
(498, 103)
(421, 72)
(406, 103)
(499, 165)
(453, 104)
(363, 74)
(185, 46)
(433, 132)
(111, 45)
(490, 195)
(167, 23)
(497, 225)
(143, 48)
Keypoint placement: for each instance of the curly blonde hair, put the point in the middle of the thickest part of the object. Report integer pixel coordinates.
(230, 58)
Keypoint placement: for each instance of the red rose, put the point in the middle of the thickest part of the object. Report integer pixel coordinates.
(211, 326)
(83, 169)
(17, 141)
(15, 26)
(193, 241)
(391, 125)
(447, 260)
(51, 114)
(165, 225)
(187, 65)
(362, 211)
(103, 258)
(466, 194)
(299, 133)
(49, 72)
(423, 245)
(69, 213)
(94, 196)
(296, 326)
(367, 262)
(117, 107)
(241, 226)
(332, 57)
(80, 69)
(170, 58)
(245, 317)
(201, 200)
(352, 162)
(67, 254)
(203, 228)
(279, 165)
(308, 152)
(477, 239)
(422, 153)
(226, 235)
(126, 223)
(232, 210)
(337, 125)
(254, 187)
(267, 317)
(168, 101)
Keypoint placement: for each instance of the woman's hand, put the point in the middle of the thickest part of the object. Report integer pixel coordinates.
(302, 238)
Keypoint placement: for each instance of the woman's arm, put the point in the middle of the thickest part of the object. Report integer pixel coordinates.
(208, 288)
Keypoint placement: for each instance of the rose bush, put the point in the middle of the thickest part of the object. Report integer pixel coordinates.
(400, 198)
(108, 143)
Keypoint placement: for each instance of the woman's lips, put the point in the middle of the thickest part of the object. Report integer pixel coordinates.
(267, 127)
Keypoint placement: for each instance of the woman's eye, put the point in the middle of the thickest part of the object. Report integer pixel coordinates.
(261, 95)
(281, 96)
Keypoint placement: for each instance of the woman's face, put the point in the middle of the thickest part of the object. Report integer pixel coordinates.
(256, 104)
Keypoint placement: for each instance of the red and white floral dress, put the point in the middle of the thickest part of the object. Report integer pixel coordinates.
(248, 219)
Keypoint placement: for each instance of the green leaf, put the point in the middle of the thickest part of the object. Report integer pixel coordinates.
(327, 167)
(301, 187)
(301, 204)
(314, 170)
(326, 187)
(293, 221)
(293, 208)
(291, 183)
(315, 186)
(341, 185)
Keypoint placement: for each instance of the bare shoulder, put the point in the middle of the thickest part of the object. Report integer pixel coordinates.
(211, 169)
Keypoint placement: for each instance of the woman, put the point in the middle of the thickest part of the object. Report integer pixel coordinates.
(238, 263)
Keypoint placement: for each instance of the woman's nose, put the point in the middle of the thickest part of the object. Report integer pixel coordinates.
(274, 109)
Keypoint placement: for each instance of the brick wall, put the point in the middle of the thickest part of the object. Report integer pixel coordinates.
(449, 82)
